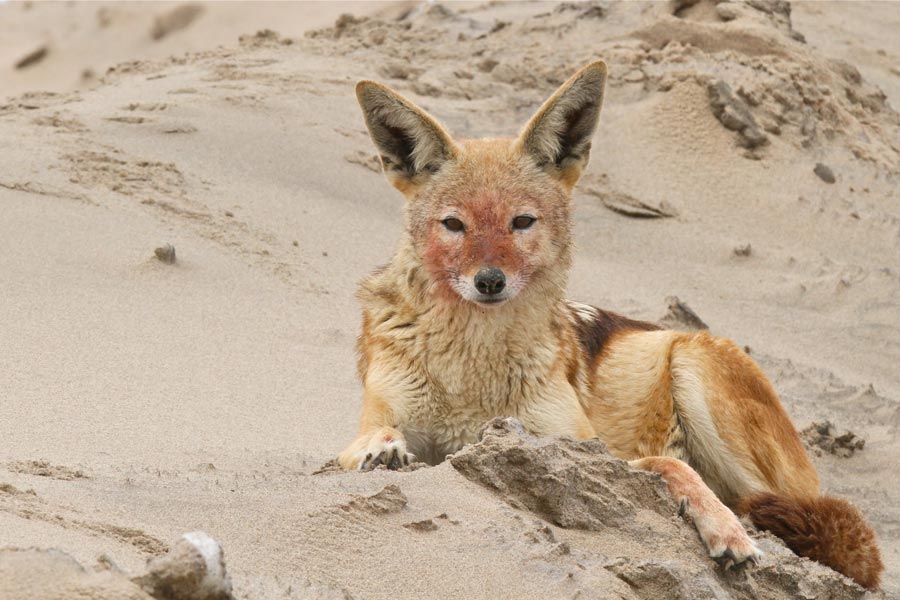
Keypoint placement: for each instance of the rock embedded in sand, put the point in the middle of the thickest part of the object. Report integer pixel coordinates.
(194, 569)
(426, 525)
(628, 205)
(681, 316)
(165, 254)
(33, 57)
(735, 115)
(824, 172)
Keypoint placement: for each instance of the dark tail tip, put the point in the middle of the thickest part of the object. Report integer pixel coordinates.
(827, 530)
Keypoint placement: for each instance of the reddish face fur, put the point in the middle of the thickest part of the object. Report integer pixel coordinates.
(486, 187)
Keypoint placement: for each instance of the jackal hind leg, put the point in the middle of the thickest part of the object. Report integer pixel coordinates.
(719, 528)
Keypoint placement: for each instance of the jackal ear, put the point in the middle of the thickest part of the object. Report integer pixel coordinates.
(558, 137)
(412, 145)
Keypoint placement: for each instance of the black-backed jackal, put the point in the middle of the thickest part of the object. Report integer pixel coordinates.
(468, 322)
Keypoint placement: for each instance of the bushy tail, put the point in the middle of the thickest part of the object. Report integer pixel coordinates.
(827, 530)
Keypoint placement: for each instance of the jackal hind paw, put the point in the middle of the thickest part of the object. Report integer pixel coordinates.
(724, 536)
(735, 550)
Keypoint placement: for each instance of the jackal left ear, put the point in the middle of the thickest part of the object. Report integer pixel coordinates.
(558, 137)
(412, 145)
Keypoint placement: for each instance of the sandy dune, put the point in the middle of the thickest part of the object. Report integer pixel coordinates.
(140, 400)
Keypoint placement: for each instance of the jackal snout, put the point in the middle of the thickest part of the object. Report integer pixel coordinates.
(490, 281)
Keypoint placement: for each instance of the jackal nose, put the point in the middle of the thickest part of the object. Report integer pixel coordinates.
(490, 281)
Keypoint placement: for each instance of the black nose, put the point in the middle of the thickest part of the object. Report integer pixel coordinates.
(490, 281)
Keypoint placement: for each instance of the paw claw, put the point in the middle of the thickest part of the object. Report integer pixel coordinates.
(683, 506)
(395, 462)
(727, 559)
(389, 451)
(364, 466)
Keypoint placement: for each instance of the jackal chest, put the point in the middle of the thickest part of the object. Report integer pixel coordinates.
(464, 386)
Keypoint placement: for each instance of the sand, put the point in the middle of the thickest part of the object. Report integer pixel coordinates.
(140, 400)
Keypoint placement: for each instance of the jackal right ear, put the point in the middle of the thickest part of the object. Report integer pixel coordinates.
(412, 145)
(558, 137)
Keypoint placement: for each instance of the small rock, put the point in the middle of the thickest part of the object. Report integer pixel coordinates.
(824, 172)
(194, 569)
(628, 205)
(487, 65)
(681, 316)
(166, 254)
(728, 11)
(743, 250)
(735, 115)
(426, 525)
(228, 213)
(33, 57)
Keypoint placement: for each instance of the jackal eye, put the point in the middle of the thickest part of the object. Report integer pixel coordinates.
(453, 224)
(523, 222)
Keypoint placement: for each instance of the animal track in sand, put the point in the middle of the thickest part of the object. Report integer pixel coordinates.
(40, 189)
(129, 120)
(27, 505)
(126, 177)
(43, 468)
(364, 159)
(62, 124)
(361, 509)
(146, 106)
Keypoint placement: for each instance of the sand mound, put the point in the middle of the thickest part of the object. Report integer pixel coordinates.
(579, 485)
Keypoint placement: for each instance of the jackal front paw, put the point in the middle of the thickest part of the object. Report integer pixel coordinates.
(393, 455)
(386, 448)
(722, 534)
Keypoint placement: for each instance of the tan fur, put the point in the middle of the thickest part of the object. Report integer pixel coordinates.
(437, 360)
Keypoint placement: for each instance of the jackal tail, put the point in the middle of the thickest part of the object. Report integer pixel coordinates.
(825, 529)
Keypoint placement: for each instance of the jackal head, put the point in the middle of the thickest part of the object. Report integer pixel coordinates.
(488, 218)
